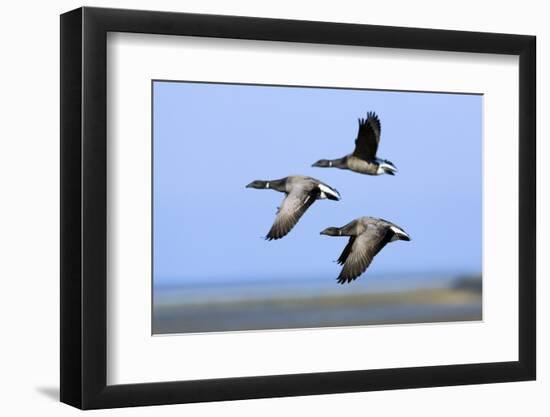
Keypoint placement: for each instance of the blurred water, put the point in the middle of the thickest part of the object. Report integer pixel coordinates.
(255, 305)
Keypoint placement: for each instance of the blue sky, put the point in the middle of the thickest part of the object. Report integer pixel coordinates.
(210, 140)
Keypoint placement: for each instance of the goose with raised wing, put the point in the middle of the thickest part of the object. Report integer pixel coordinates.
(367, 237)
(301, 192)
(363, 159)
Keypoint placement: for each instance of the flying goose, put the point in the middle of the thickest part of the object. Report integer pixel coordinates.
(368, 235)
(363, 159)
(301, 192)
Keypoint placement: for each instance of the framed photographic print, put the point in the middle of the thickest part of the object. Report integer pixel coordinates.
(258, 207)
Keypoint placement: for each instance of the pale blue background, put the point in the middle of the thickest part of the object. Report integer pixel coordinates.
(210, 140)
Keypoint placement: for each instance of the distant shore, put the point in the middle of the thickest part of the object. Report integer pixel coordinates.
(429, 305)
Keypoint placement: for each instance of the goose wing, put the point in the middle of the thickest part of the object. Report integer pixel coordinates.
(368, 137)
(292, 209)
(361, 250)
(347, 250)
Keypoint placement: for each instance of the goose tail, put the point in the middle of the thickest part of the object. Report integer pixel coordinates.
(386, 167)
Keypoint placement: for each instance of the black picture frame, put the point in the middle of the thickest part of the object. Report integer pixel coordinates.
(84, 197)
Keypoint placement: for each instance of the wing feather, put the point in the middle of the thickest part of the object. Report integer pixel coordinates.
(292, 209)
(368, 137)
(347, 250)
(363, 250)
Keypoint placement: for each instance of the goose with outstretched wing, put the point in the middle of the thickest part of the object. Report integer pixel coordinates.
(367, 237)
(363, 159)
(301, 192)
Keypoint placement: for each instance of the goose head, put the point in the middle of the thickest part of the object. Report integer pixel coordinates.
(260, 184)
(322, 163)
(332, 231)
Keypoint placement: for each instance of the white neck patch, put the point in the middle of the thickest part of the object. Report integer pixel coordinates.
(267, 184)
